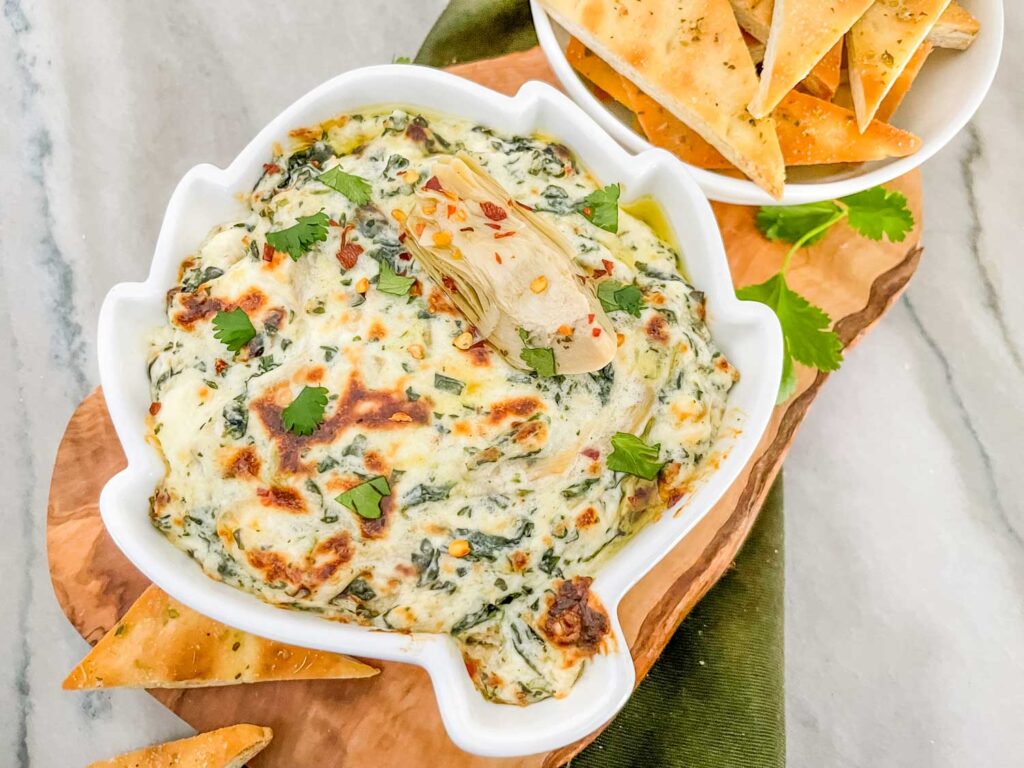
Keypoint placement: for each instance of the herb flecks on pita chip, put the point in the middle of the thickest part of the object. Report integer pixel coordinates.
(802, 33)
(902, 85)
(160, 643)
(881, 44)
(690, 56)
(230, 747)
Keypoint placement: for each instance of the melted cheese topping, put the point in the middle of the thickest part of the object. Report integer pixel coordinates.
(502, 506)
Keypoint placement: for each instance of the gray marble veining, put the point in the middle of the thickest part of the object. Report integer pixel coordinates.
(904, 516)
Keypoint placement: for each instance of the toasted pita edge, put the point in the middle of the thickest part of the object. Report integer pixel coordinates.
(230, 747)
(767, 170)
(823, 80)
(167, 635)
(865, 70)
(956, 28)
(786, 62)
(901, 87)
(754, 16)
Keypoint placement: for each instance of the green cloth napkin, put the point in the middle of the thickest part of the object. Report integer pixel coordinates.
(715, 697)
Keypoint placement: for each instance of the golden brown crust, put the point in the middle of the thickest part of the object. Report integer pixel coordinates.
(160, 643)
(956, 28)
(230, 747)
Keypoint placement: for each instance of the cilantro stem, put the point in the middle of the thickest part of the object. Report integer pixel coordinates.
(811, 234)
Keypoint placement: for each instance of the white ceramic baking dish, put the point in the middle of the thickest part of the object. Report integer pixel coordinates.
(947, 93)
(748, 333)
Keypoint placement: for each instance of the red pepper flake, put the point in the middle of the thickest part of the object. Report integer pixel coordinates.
(497, 257)
(434, 184)
(595, 332)
(492, 211)
(588, 211)
(405, 256)
(448, 283)
(220, 366)
(271, 168)
(590, 318)
(597, 273)
(492, 226)
(154, 409)
(608, 266)
(348, 254)
(402, 235)
(451, 210)
(467, 229)
(499, 235)
(521, 205)
(333, 223)
(268, 252)
(591, 453)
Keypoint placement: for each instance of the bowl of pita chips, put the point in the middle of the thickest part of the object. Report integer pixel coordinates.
(783, 101)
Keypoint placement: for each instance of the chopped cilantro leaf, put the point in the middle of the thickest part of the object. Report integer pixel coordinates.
(355, 188)
(789, 223)
(614, 295)
(299, 238)
(539, 359)
(878, 211)
(634, 457)
(601, 208)
(306, 411)
(393, 283)
(364, 499)
(234, 329)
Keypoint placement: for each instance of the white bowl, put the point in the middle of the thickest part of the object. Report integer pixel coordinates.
(945, 96)
(747, 332)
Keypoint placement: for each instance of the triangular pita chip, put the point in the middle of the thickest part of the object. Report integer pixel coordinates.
(754, 16)
(159, 643)
(816, 132)
(690, 56)
(230, 747)
(755, 46)
(802, 32)
(902, 85)
(824, 78)
(811, 131)
(956, 28)
(590, 65)
(881, 44)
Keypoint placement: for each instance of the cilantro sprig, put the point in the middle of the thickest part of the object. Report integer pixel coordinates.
(540, 359)
(234, 329)
(299, 238)
(614, 295)
(355, 188)
(392, 282)
(306, 412)
(601, 208)
(634, 457)
(807, 332)
(364, 499)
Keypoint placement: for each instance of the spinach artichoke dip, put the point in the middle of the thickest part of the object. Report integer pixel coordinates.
(428, 382)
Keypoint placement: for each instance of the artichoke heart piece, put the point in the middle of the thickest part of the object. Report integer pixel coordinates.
(507, 270)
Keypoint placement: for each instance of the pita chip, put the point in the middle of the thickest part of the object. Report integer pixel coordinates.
(688, 55)
(595, 70)
(881, 44)
(902, 85)
(823, 80)
(755, 46)
(230, 747)
(956, 28)
(811, 132)
(160, 643)
(754, 17)
(802, 33)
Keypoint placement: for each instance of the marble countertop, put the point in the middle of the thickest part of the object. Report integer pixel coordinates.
(904, 519)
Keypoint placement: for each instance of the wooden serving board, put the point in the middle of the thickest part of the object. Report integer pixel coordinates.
(392, 719)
